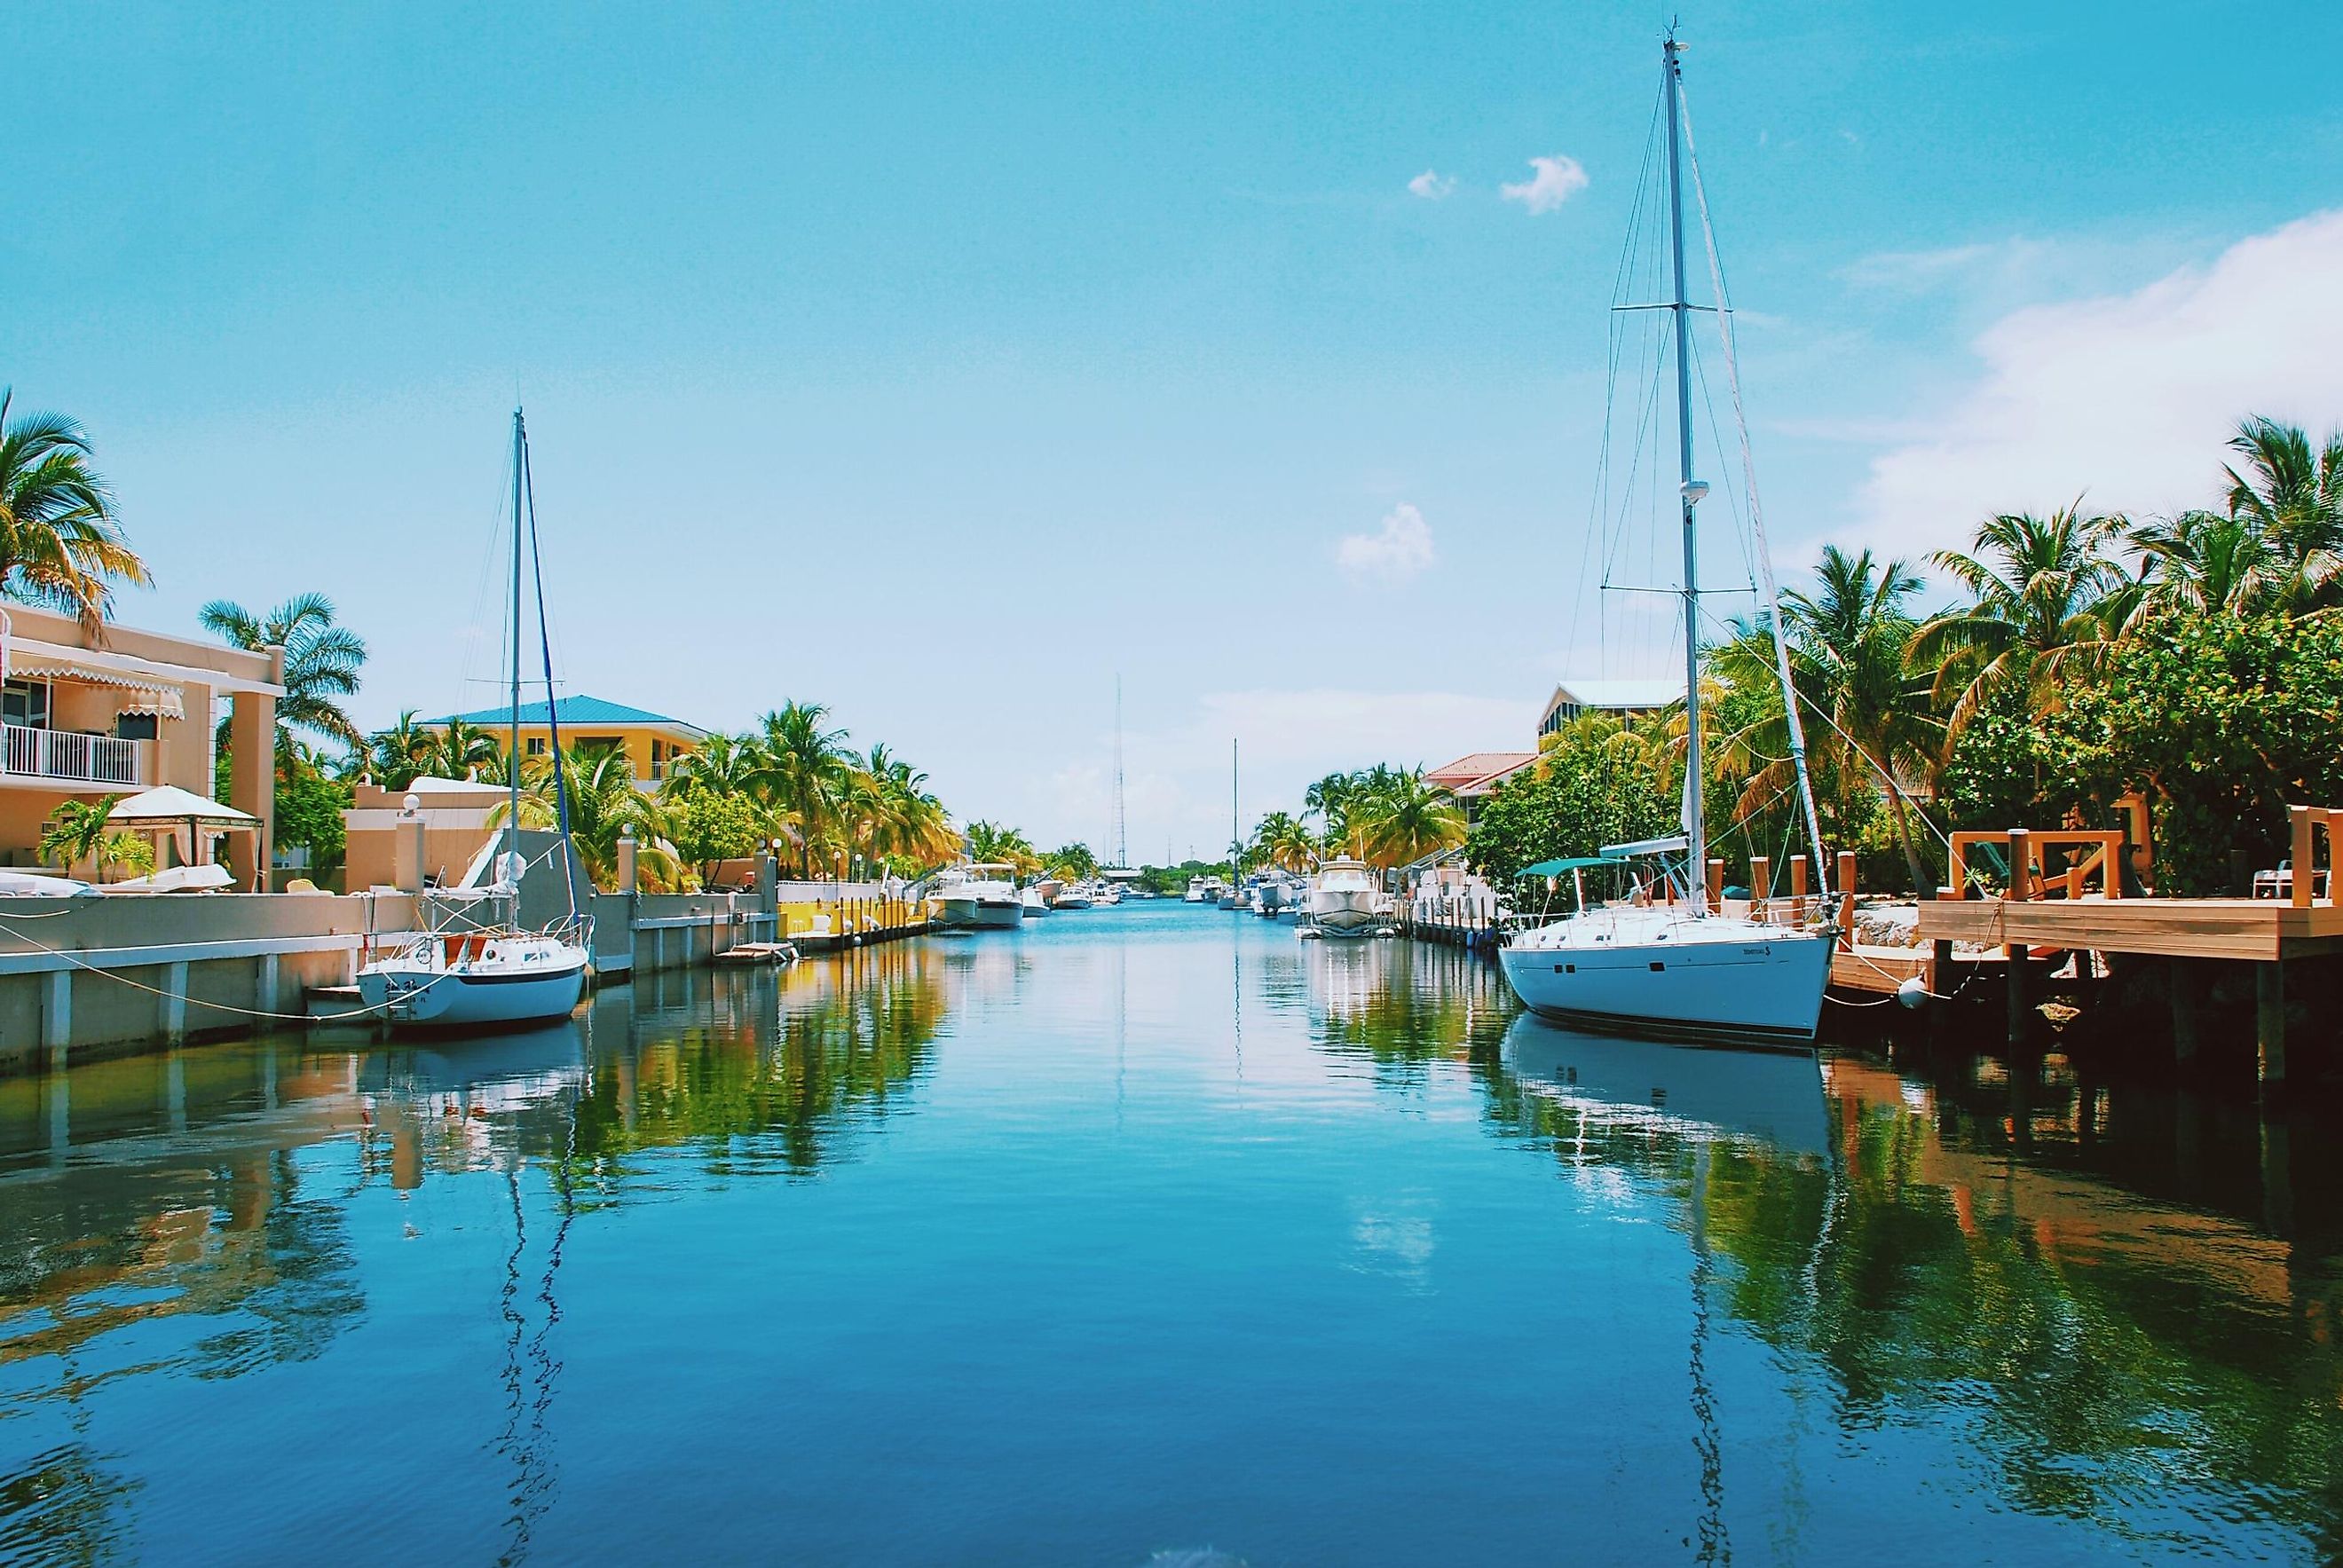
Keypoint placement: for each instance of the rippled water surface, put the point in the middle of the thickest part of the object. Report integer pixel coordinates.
(1146, 1234)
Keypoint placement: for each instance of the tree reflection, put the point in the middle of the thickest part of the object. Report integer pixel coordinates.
(1402, 1006)
(2157, 1370)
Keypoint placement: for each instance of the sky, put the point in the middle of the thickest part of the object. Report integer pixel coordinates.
(941, 363)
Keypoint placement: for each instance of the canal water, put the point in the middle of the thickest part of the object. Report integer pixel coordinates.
(1149, 1235)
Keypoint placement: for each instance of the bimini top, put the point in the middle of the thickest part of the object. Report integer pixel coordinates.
(1675, 846)
(1576, 863)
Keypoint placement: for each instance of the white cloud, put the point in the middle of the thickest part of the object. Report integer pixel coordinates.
(1552, 181)
(1431, 186)
(1395, 552)
(2127, 397)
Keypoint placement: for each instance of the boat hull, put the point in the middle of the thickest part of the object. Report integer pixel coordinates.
(966, 912)
(1344, 914)
(1767, 988)
(417, 997)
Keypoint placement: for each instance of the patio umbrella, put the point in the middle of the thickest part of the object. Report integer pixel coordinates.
(166, 808)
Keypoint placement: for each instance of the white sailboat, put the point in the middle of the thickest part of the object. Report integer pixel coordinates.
(1678, 969)
(474, 966)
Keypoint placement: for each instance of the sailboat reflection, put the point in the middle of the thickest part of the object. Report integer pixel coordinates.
(1769, 1097)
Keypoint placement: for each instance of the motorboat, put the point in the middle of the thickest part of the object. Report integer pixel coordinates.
(1073, 896)
(1031, 903)
(982, 897)
(474, 965)
(1346, 899)
(1199, 891)
(1664, 963)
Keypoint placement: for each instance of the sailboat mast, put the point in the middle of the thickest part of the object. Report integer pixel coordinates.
(512, 758)
(1688, 496)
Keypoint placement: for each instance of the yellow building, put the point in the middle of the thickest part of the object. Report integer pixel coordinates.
(88, 712)
(590, 726)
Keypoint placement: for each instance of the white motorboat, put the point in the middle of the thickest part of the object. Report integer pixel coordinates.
(1679, 969)
(1031, 904)
(1199, 891)
(977, 898)
(1073, 896)
(1345, 899)
(474, 965)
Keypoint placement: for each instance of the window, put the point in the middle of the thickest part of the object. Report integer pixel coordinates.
(536, 745)
(133, 727)
(26, 702)
(659, 754)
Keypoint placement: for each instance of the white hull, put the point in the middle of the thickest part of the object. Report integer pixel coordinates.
(964, 912)
(1345, 914)
(421, 993)
(1668, 976)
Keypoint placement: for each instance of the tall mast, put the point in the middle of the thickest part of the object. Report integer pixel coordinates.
(1236, 843)
(512, 758)
(1689, 492)
(1122, 854)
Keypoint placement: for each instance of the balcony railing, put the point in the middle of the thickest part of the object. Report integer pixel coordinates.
(62, 754)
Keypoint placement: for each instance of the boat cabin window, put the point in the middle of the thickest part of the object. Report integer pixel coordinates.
(26, 702)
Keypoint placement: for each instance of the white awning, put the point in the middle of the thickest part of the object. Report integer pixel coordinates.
(147, 695)
(26, 654)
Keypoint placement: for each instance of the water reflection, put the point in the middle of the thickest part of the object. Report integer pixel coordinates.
(1398, 1007)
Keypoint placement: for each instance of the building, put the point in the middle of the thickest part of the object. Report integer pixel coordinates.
(455, 816)
(1470, 778)
(86, 713)
(1627, 698)
(592, 726)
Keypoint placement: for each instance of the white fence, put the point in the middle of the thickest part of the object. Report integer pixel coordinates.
(65, 754)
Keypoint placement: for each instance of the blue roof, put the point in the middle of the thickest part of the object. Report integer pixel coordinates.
(573, 712)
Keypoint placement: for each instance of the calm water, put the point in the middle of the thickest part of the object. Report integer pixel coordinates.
(1145, 1233)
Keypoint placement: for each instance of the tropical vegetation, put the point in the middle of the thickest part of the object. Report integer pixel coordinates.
(61, 545)
(2197, 658)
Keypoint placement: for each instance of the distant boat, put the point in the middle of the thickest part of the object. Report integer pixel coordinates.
(1033, 903)
(1073, 896)
(1199, 891)
(977, 898)
(475, 965)
(1345, 900)
(1664, 964)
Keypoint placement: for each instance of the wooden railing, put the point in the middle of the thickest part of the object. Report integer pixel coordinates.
(2307, 825)
(2096, 853)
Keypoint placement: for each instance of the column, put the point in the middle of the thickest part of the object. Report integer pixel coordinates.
(252, 783)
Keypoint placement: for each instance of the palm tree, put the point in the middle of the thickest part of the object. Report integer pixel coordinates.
(1286, 841)
(321, 659)
(461, 750)
(919, 831)
(60, 546)
(1398, 818)
(1847, 641)
(2294, 499)
(803, 772)
(605, 806)
(81, 831)
(991, 843)
(395, 755)
(1074, 863)
(2047, 605)
(2208, 563)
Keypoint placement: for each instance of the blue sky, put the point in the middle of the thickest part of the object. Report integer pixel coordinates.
(940, 362)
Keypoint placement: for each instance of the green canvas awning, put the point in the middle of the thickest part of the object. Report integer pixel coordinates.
(1580, 863)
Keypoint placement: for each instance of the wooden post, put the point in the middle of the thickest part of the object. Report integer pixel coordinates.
(1847, 899)
(2180, 981)
(1716, 885)
(1760, 884)
(2021, 997)
(1798, 889)
(1940, 967)
(2298, 818)
(2021, 865)
(2269, 1019)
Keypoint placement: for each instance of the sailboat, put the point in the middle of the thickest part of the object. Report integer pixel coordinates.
(1671, 966)
(474, 965)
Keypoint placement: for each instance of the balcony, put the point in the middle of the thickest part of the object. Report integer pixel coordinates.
(69, 757)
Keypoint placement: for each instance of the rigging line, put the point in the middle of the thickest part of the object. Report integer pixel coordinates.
(1878, 767)
(552, 707)
(1749, 478)
(80, 963)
